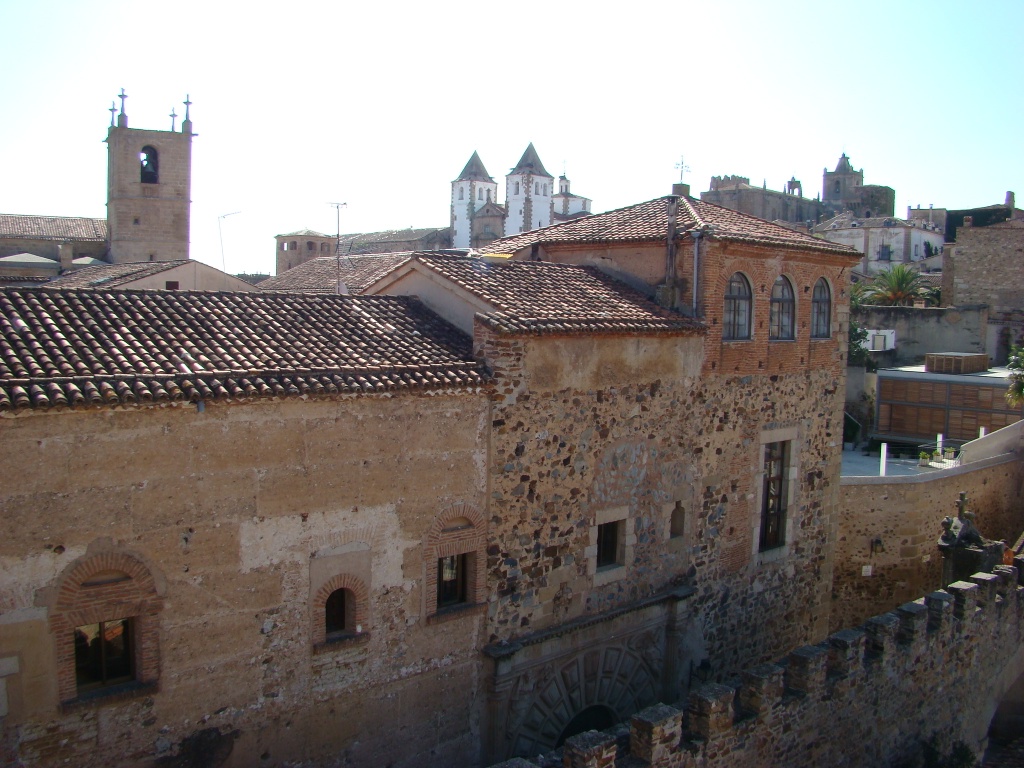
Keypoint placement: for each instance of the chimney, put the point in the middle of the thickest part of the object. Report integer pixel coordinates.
(66, 254)
(1011, 201)
(680, 190)
(968, 221)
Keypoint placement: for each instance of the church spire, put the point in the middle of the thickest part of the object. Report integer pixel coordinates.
(530, 163)
(474, 170)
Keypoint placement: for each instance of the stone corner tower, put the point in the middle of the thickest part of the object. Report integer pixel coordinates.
(528, 194)
(149, 183)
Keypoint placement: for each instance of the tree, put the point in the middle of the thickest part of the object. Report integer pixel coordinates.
(1015, 394)
(897, 286)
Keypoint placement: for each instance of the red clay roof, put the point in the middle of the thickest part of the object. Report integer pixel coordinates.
(96, 347)
(649, 222)
(113, 275)
(320, 275)
(541, 297)
(22, 227)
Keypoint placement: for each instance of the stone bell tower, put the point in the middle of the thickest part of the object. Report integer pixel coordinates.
(149, 182)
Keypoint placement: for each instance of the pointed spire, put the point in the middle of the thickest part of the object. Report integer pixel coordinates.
(186, 123)
(474, 170)
(530, 163)
(122, 118)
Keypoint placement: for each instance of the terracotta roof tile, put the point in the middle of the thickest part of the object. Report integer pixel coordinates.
(541, 297)
(649, 221)
(113, 275)
(22, 227)
(320, 275)
(96, 347)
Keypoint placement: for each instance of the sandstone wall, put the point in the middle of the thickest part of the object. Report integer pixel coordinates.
(243, 514)
(903, 514)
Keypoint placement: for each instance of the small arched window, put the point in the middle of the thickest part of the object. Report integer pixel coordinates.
(462, 193)
(339, 613)
(736, 318)
(293, 246)
(517, 188)
(149, 165)
(480, 194)
(783, 310)
(821, 310)
(837, 187)
(310, 245)
(283, 246)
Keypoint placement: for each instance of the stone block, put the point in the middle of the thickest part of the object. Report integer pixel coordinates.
(654, 733)
(762, 688)
(881, 631)
(846, 651)
(711, 710)
(940, 610)
(965, 596)
(1008, 577)
(806, 667)
(988, 585)
(913, 619)
(592, 749)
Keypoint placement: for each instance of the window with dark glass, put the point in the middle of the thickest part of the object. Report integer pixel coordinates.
(339, 613)
(609, 541)
(773, 501)
(783, 310)
(149, 166)
(451, 580)
(103, 654)
(821, 310)
(736, 319)
(884, 253)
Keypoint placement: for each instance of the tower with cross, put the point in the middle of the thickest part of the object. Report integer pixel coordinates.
(149, 182)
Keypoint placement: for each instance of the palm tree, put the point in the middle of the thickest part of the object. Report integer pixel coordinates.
(1015, 393)
(897, 286)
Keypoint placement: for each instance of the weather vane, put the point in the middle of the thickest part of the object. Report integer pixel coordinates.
(682, 167)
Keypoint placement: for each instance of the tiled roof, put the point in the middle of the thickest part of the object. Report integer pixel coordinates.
(21, 227)
(97, 347)
(113, 275)
(845, 220)
(320, 275)
(530, 163)
(541, 297)
(392, 235)
(474, 170)
(303, 233)
(649, 222)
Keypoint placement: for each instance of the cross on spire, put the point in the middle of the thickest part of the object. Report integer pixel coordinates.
(113, 111)
(122, 97)
(173, 115)
(682, 167)
(187, 104)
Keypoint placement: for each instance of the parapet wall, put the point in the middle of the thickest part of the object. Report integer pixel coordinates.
(929, 673)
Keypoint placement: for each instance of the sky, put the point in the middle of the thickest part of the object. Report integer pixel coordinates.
(380, 105)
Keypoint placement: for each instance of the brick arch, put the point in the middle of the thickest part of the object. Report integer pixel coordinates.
(318, 605)
(440, 542)
(136, 597)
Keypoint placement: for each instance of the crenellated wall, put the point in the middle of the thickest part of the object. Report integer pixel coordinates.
(925, 676)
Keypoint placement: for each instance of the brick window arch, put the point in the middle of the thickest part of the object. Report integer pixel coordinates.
(821, 310)
(343, 591)
(736, 316)
(455, 560)
(782, 317)
(106, 626)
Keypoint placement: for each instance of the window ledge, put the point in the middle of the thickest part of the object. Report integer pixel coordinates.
(784, 341)
(773, 555)
(455, 612)
(341, 641)
(606, 574)
(738, 341)
(113, 694)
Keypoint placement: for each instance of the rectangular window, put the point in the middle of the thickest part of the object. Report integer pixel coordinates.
(103, 655)
(884, 253)
(451, 580)
(773, 500)
(171, 285)
(610, 543)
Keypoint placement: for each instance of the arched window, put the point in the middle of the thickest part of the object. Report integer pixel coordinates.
(837, 187)
(310, 245)
(821, 310)
(480, 194)
(736, 318)
(783, 310)
(293, 246)
(340, 613)
(455, 561)
(284, 246)
(149, 165)
(324, 248)
(536, 187)
(517, 188)
(462, 193)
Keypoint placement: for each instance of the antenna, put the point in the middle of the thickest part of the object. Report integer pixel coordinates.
(223, 264)
(338, 285)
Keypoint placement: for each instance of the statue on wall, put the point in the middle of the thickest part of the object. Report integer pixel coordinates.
(964, 550)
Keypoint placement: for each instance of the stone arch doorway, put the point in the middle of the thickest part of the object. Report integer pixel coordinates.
(594, 718)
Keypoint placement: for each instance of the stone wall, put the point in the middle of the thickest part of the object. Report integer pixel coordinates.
(901, 515)
(923, 678)
(235, 522)
(927, 329)
(983, 267)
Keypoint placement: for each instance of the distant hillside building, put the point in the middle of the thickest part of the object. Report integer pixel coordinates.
(842, 190)
(885, 240)
(295, 248)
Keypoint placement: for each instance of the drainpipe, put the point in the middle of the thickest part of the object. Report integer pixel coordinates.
(670, 242)
(696, 264)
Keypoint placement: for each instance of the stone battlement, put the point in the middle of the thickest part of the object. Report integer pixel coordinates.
(873, 695)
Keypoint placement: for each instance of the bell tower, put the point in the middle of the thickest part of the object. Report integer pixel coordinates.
(149, 183)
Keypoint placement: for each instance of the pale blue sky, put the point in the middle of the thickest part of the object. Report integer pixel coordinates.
(381, 106)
